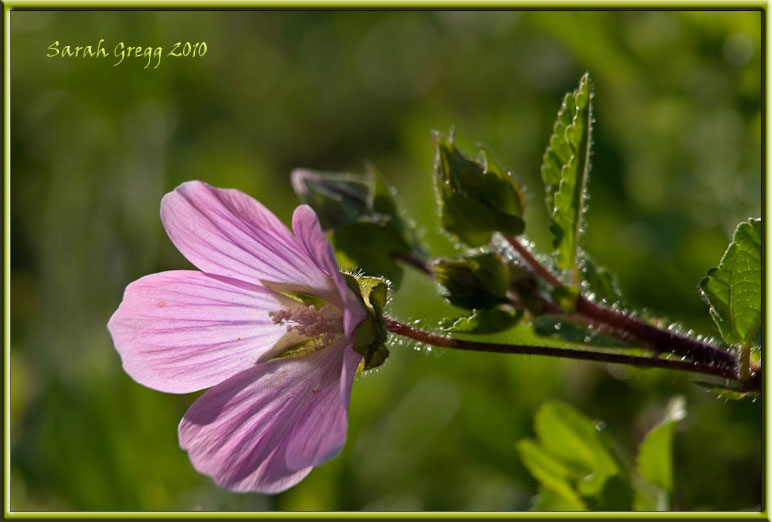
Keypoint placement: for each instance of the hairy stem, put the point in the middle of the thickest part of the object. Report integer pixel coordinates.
(565, 353)
(531, 260)
(416, 262)
(745, 362)
(660, 340)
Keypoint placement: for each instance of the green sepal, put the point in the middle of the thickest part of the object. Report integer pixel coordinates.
(476, 196)
(304, 347)
(367, 226)
(306, 299)
(473, 281)
(371, 333)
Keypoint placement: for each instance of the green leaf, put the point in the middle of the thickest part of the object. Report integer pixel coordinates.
(565, 170)
(476, 196)
(599, 281)
(572, 437)
(617, 495)
(556, 327)
(733, 289)
(551, 500)
(484, 321)
(727, 392)
(473, 281)
(649, 498)
(528, 333)
(565, 297)
(554, 477)
(367, 227)
(655, 457)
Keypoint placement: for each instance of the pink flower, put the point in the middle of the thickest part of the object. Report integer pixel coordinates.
(266, 422)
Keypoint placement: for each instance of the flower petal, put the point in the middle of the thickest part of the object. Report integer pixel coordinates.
(309, 233)
(265, 428)
(182, 331)
(226, 232)
(314, 438)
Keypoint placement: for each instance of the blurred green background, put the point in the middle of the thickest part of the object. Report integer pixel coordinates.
(676, 165)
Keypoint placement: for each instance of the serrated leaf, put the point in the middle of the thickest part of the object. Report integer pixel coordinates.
(733, 289)
(565, 170)
(476, 196)
(572, 437)
(484, 321)
(554, 477)
(655, 454)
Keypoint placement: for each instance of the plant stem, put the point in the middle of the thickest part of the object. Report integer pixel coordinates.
(745, 361)
(605, 357)
(531, 260)
(660, 340)
(416, 262)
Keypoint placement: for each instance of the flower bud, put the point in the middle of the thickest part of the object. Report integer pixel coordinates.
(360, 211)
(475, 281)
(476, 196)
(337, 198)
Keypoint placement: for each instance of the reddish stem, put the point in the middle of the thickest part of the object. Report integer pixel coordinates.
(416, 262)
(605, 357)
(660, 340)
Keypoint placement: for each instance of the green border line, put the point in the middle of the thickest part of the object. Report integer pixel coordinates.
(388, 4)
(380, 515)
(7, 259)
(765, 197)
(354, 4)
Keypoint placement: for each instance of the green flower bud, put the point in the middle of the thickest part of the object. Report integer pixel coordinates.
(476, 281)
(476, 197)
(337, 198)
(360, 211)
